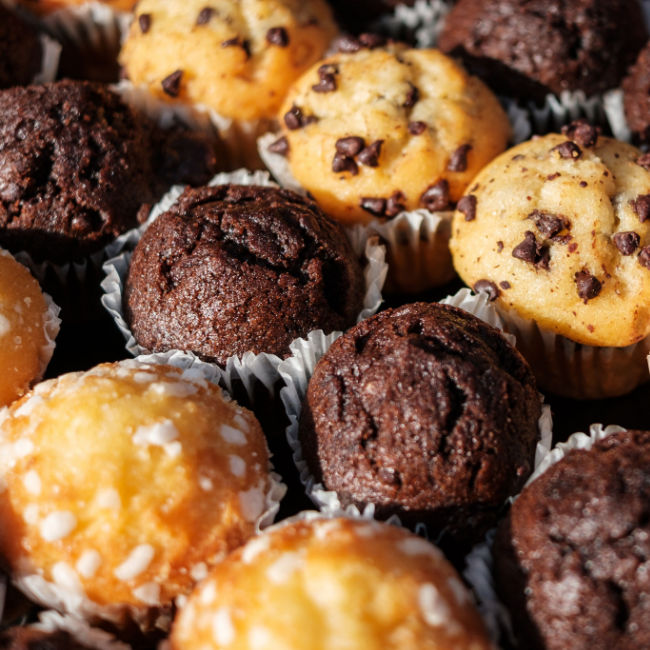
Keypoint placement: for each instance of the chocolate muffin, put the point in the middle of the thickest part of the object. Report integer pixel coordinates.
(20, 50)
(636, 96)
(427, 412)
(233, 268)
(528, 48)
(571, 558)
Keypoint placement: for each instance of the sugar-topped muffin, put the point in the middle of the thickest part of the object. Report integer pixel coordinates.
(123, 485)
(347, 583)
(374, 130)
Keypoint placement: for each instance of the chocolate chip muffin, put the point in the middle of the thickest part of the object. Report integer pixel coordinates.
(571, 557)
(234, 268)
(636, 96)
(528, 48)
(428, 413)
(20, 50)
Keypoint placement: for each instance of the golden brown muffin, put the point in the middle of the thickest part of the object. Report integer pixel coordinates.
(238, 58)
(332, 584)
(376, 131)
(28, 324)
(123, 484)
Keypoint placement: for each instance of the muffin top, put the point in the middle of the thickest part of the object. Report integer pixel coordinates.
(233, 268)
(123, 484)
(557, 229)
(347, 583)
(576, 543)
(527, 48)
(238, 58)
(636, 95)
(425, 411)
(20, 50)
(379, 130)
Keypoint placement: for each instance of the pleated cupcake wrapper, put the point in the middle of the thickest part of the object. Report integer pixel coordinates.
(479, 563)
(250, 369)
(50, 60)
(74, 602)
(575, 370)
(615, 113)
(297, 370)
(422, 22)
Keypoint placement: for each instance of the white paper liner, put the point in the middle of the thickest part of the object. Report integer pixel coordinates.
(249, 369)
(615, 113)
(297, 369)
(91, 637)
(479, 563)
(49, 61)
(423, 22)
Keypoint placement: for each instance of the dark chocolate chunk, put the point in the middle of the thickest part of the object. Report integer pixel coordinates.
(350, 146)
(171, 84)
(144, 20)
(548, 224)
(294, 118)
(417, 128)
(644, 161)
(641, 206)
(204, 16)
(588, 285)
(327, 75)
(280, 146)
(342, 163)
(568, 149)
(458, 159)
(552, 177)
(499, 246)
(436, 196)
(582, 133)
(394, 204)
(467, 205)
(626, 242)
(505, 284)
(371, 41)
(236, 42)
(488, 287)
(532, 251)
(278, 36)
(412, 96)
(369, 155)
(644, 257)
(374, 205)
(346, 43)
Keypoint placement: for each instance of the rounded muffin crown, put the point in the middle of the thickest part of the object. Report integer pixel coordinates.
(424, 411)
(346, 582)
(234, 268)
(636, 95)
(557, 230)
(379, 130)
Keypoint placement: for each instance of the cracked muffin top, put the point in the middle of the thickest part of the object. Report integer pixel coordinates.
(572, 555)
(427, 412)
(233, 268)
(528, 48)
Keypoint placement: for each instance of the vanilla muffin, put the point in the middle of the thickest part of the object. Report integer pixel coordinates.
(123, 485)
(238, 58)
(28, 327)
(347, 583)
(557, 231)
(373, 131)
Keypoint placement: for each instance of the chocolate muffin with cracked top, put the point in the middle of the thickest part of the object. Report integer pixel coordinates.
(571, 558)
(234, 268)
(427, 412)
(20, 50)
(636, 96)
(528, 48)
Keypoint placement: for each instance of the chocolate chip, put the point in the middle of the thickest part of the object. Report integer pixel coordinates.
(436, 196)
(394, 204)
(505, 284)
(588, 285)
(327, 83)
(644, 161)
(346, 43)
(626, 242)
(416, 128)
(458, 160)
(375, 206)
(467, 205)
(644, 257)
(278, 36)
(204, 16)
(280, 146)
(581, 132)
(144, 20)
(236, 42)
(342, 163)
(552, 177)
(530, 250)
(568, 149)
(488, 287)
(548, 224)
(350, 146)
(412, 96)
(294, 118)
(370, 155)
(231, 42)
(641, 206)
(371, 41)
(499, 246)
(171, 84)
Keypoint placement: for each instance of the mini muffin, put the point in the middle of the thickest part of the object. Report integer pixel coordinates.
(557, 231)
(426, 412)
(636, 96)
(571, 557)
(28, 327)
(233, 268)
(123, 485)
(236, 58)
(20, 50)
(347, 583)
(528, 48)
(376, 131)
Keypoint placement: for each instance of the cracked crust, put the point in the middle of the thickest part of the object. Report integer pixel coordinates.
(577, 543)
(232, 268)
(428, 413)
